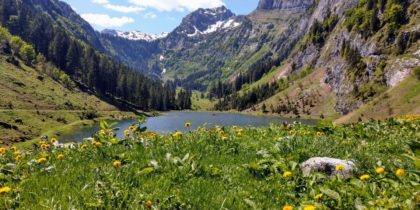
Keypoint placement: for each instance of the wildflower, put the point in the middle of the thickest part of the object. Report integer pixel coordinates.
(60, 156)
(126, 133)
(53, 140)
(45, 146)
(287, 174)
(318, 196)
(3, 151)
(110, 133)
(16, 153)
(319, 133)
(234, 127)
(238, 133)
(97, 144)
(132, 129)
(221, 132)
(5, 190)
(287, 207)
(309, 207)
(187, 124)
(84, 146)
(177, 134)
(400, 172)
(42, 160)
(292, 132)
(340, 167)
(380, 170)
(14, 148)
(225, 138)
(148, 204)
(116, 164)
(364, 177)
(18, 157)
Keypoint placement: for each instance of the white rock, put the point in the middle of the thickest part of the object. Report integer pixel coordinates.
(327, 165)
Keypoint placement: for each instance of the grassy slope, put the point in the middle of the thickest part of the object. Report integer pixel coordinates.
(313, 86)
(41, 106)
(200, 170)
(201, 104)
(401, 100)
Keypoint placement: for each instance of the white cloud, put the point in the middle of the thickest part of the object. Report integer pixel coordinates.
(124, 9)
(150, 15)
(177, 5)
(106, 20)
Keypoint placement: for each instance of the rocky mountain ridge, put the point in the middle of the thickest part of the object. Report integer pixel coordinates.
(134, 35)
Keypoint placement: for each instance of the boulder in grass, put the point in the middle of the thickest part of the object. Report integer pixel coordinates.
(328, 166)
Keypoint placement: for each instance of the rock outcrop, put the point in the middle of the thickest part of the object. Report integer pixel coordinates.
(285, 4)
(328, 166)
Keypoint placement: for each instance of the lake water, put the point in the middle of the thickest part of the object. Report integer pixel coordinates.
(170, 122)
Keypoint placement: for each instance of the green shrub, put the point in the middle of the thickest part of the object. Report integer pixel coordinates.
(417, 72)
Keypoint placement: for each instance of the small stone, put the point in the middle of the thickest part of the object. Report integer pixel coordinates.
(328, 166)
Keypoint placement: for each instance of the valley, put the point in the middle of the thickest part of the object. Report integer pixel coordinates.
(295, 104)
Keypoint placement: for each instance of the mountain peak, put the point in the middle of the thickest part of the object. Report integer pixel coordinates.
(206, 21)
(285, 4)
(134, 35)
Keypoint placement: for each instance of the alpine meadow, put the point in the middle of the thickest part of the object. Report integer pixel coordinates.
(290, 104)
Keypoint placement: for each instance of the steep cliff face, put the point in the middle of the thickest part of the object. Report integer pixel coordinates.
(285, 4)
(359, 62)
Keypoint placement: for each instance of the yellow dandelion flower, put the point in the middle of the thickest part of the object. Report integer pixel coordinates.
(340, 167)
(380, 170)
(84, 146)
(239, 134)
(3, 151)
(177, 134)
(16, 153)
(365, 177)
(97, 144)
(287, 207)
(60, 157)
(42, 160)
(319, 133)
(18, 157)
(53, 140)
(221, 132)
(5, 190)
(116, 164)
(225, 138)
(132, 129)
(309, 207)
(148, 204)
(318, 196)
(400, 172)
(126, 133)
(45, 146)
(110, 133)
(292, 132)
(187, 124)
(287, 174)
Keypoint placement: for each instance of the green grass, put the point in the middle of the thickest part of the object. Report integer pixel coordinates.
(201, 104)
(211, 169)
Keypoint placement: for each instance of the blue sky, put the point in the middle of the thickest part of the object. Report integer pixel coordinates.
(150, 16)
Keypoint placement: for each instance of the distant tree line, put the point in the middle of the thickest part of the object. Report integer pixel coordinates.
(82, 62)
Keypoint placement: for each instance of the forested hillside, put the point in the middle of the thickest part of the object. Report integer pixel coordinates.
(69, 42)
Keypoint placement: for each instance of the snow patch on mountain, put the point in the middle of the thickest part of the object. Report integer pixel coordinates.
(135, 35)
(218, 26)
